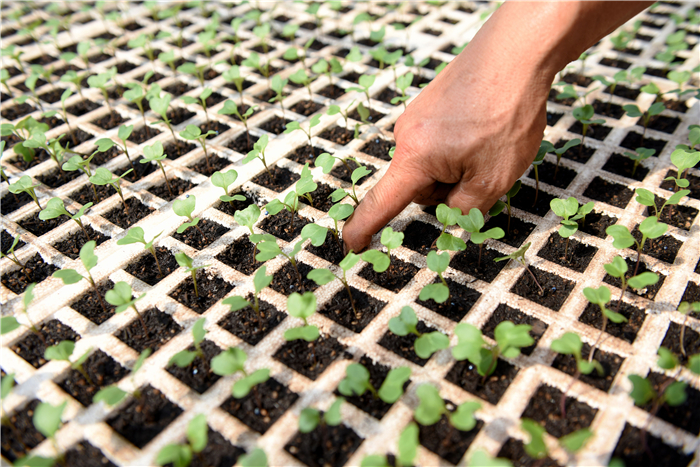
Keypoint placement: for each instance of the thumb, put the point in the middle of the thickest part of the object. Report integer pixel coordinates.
(475, 193)
(394, 191)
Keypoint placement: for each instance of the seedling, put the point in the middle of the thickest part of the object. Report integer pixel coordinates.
(137, 92)
(56, 208)
(317, 233)
(47, 421)
(168, 58)
(121, 297)
(185, 357)
(322, 67)
(365, 82)
(303, 188)
(684, 159)
(258, 152)
(356, 383)
(300, 77)
(680, 78)
(76, 79)
(104, 177)
(325, 276)
(650, 228)
(89, 260)
(432, 408)
(355, 177)
(382, 261)
(302, 306)
(426, 344)
(618, 268)
(30, 83)
(253, 61)
(100, 82)
(143, 40)
(647, 198)
(447, 217)
(402, 84)
(685, 308)
(201, 100)
(536, 447)
(154, 153)
(232, 361)
(619, 77)
(277, 85)
(180, 455)
(270, 249)
(187, 263)
(8, 382)
(31, 133)
(112, 395)
(584, 115)
(310, 418)
(327, 160)
(208, 40)
(256, 458)
(293, 126)
(634, 111)
(63, 351)
(509, 196)
(136, 235)
(13, 257)
(78, 163)
(233, 75)
(545, 147)
(230, 108)
(160, 106)
(192, 132)
(473, 223)
(224, 180)
(260, 281)
(639, 155)
(14, 53)
(440, 291)
(570, 213)
(24, 185)
(519, 256)
(345, 113)
(10, 323)
(601, 297)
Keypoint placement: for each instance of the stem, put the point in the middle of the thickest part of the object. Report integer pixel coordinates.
(352, 302)
(143, 323)
(97, 292)
(167, 183)
(535, 279)
(80, 223)
(481, 245)
(206, 156)
(508, 228)
(109, 106)
(597, 341)
(200, 231)
(562, 401)
(566, 248)
(85, 375)
(294, 263)
(153, 252)
(683, 335)
(194, 280)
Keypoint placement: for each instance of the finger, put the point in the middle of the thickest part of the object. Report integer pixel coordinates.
(434, 194)
(474, 193)
(394, 191)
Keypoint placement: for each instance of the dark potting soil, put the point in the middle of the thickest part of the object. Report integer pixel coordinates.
(35, 267)
(178, 186)
(306, 154)
(331, 250)
(467, 261)
(161, 328)
(575, 78)
(387, 94)
(553, 118)
(615, 63)
(326, 446)
(198, 375)
(211, 101)
(286, 279)
(90, 306)
(664, 248)
(144, 417)
(622, 165)
(52, 96)
(250, 327)
(230, 208)
(374, 115)
(379, 148)
(626, 331)
(577, 256)
(544, 408)
(211, 290)
(661, 123)
(337, 135)
(353, 77)
(691, 294)
(514, 451)
(595, 224)
(460, 301)
(266, 95)
(546, 172)
(525, 197)
(344, 174)
(518, 232)
(19, 441)
(673, 104)
(11, 202)
(580, 153)
(465, 375)
(244, 143)
(610, 362)
(214, 125)
(306, 108)
(624, 91)
(109, 121)
(219, 452)
(177, 115)
(175, 151)
(16, 111)
(216, 163)
(633, 140)
(177, 88)
(87, 195)
(192, 236)
(81, 108)
(284, 225)
(263, 406)
(694, 183)
(145, 267)
(101, 158)
(647, 292)
(598, 132)
(275, 125)
(420, 237)
(85, 454)
(102, 370)
(240, 255)
(631, 450)
(505, 313)
(138, 171)
(143, 134)
(32, 348)
(311, 358)
(368, 402)
(403, 346)
(395, 278)
(321, 197)
(332, 92)
(340, 309)
(447, 441)
(555, 289)
(56, 178)
(608, 109)
(123, 219)
(683, 416)
(281, 178)
(7, 241)
(672, 341)
(609, 192)
(677, 216)
(553, 93)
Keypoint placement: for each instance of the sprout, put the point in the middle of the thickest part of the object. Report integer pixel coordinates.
(47, 421)
(269, 249)
(647, 198)
(247, 217)
(570, 213)
(232, 361)
(24, 185)
(112, 395)
(303, 188)
(622, 238)
(180, 455)
(440, 291)
(201, 100)
(509, 196)
(310, 418)
(570, 344)
(601, 297)
(78, 163)
(402, 83)
(253, 61)
(619, 77)
(192, 132)
(233, 75)
(187, 263)
(89, 260)
(143, 40)
(14, 53)
(260, 281)
(302, 306)
(208, 40)
(292, 126)
(63, 351)
(30, 83)
(426, 344)
(224, 180)
(258, 152)
(137, 92)
(300, 77)
(103, 176)
(382, 261)
(55, 208)
(345, 113)
(256, 458)
(432, 408)
(10, 323)
(317, 233)
(13, 257)
(121, 297)
(639, 155)
(355, 177)
(71, 76)
(136, 235)
(519, 256)
(365, 82)
(230, 108)
(685, 309)
(8, 382)
(685, 159)
(160, 106)
(31, 133)
(356, 383)
(536, 447)
(293, 53)
(448, 216)
(322, 67)
(100, 82)
(169, 57)
(154, 153)
(473, 223)
(633, 110)
(325, 276)
(618, 268)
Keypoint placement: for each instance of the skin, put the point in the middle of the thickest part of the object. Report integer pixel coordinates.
(477, 127)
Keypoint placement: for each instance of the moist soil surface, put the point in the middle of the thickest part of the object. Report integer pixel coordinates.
(144, 417)
(90, 306)
(230, 208)
(143, 134)
(102, 370)
(310, 358)
(677, 216)
(516, 235)
(321, 197)
(34, 267)
(82, 107)
(193, 236)
(576, 256)
(86, 194)
(337, 135)
(109, 121)
(395, 278)
(342, 172)
(340, 309)
(56, 178)
(145, 267)
(691, 341)
(243, 143)
(85, 454)
(664, 248)
(555, 289)
(198, 375)
(240, 255)
(447, 441)
(275, 125)
(281, 179)
(160, 326)
(250, 327)
(694, 183)
(210, 290)
(177, 185)
(217, 453)
(119, 216)
(505, 313)
(580, 153)
(683, 416)
(460, 301)
(610, 362)
(39, 227)
(326, 446)
(19, 441)
(420, 237)
(379, 148)
(32, 348)
(216, 163)
(626, 331)
(73, 243)
(331, 250)
(286, 279)
(465, 375)
(332, 92)
(546, 173)
(544, 408)
(647, 292)
(622, 165)
(404, 345)
(306, 108)
(306, 154)
(630, 449)
(467, 261)
(263, 405)
(175, 151)
(284, 225)
(12, 202)
(596, 224)
(525, 198)
(633, 140)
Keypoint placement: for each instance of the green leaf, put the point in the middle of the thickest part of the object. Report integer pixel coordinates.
(429, 343)
(482, 459)
(438, 292)
(564, 208)
(68, 276)
(228, 362)
(110, 395)
(463, 418)
(449, 242)
(197, 433)
(61, 351)
(256, 458)
(54, 208)
(8, 381)
(599, 296)
(349, 261)
(356, 381)
(309, 419)
(645, 197)
(185, 207)
(536, 447)
(613, 316)
(301, 306)
(675, 394)
(470, 342)
(574, 442)
(8, 324)
(622, 238)
(446, 215)
(321, 276)
(309, 333)
(243, 386)
(438, 262)
(375, 460)
(358, 173)
(568, 344)
(120, 296)
(642, 280)
(261, 279)
(325, 161)
(248, 216)
(88, 256)
(340, 211)
(642, 391)
(685, 159)
(47, 418)
(391, 239)
(182, 358)
(408, 444)
(392, 387)
(472, 222)
(617, 268)
(140, 361)
(431, 405)
(178, 455)
(198, 331)
(405, 323)
(667, 360)
(380, 261)
(268, 250)
(694, 364)
(235, 302)
(315, 232)
(124, 132)
(512, 337)
(34, 461)
(337, 195)
(332, 416)
(134, 235)
(652, 228)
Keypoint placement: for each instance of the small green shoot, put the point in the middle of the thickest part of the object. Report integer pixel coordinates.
(232, 361)
(185, 357)
(136, 235)
(324, 276)
(121, 297)
(439, 291)
(89, 260)
(188, 263)
(519, 256)
(184, 208)
(570, 213)
(432, 408)
(25, 185)
(310, 418)
(633, 110)
(382, 261)
(473, 223)
(293, 126)
(685, 308)
(357, 382)
(426, 344)
(180, 455)
(193, 133)
(154, 153)
(63, 351)
(258, 152)
(55, 208)
(260, 281)
(650, 228)
(103, 176)
(639, 155)
(302, 306)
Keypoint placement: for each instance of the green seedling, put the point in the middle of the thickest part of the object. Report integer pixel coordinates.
(262, 31)
(233, 75)
(77, 163)
(293, 126)
(619, 77)
(472, 346)
(633, 110)
(260, 281)
(10, 323)
(302, 306)
(256, 458)
(168, 58)
(426, 344)
(103, 176)
(89, 260)
(24, 185)
(519, 256)
(269, 249)
(382, 261)
(473, 223)
(355, 177)
(365, 82)
(143, 40)
(100, 82)
(317, 233)
(680, 78)
(685, 308)
(684, 159)
(536, 447)
(345, 113)
(230, 108)
(301, 78)
(647, 198)
(323, 67)
(570, 344)
(47, 421)
(618, 268)
(585, 116)
(258, 152)
(209, 41)
(248, 217)
(136, 94)
(601, 297)
(154, 153)
(509, 196)
(112, 395)
(76, 79)
(309, 418)
(674, 43)
(440, 291)
(570, 212)
(277, 84)
(55, 208)
(12, 256)
(402, 84)
(123, 134)
(30, 83)
(650, 228)
(201, 100)
(4, 76)
(186, 262)
(63, 351)
(324, 276)
(639, 155)
(31, 134)
(482, 458)
(326, 161)
(295, 53)
(6, 385)
(122, 298)
(192, 133)
(14, 53)
(136, 235)
(224, 180)
(545, 147)
(357, 382)
(160, 106)
(253, 61)
(180, 455)
(448, 216)
(432, 408)
(185, 357)
(303, 189)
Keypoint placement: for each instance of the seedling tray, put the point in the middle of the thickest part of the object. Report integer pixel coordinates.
(528, 386)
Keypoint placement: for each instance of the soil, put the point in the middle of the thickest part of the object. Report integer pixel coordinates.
(577, 256)
(102, 158)
(338, 135)
(81, 108)
(198, 375)
(321, 197)
(580, 153)
(608, 109)
(306, 108)
(16, 111)
(677, 216)
(11, 202)
(275, 125)
(692, 293)
(378, 148)
(546, 170)
(177, 115)
(647, 292)
(622, 165)
(140, 170)
(246, 324)
(215, 126)
(16, 443)
(330, 250)
(633, 140)
(632, 452)
(281, 178)
(403, 346)
(661, 123)
(109, 121)
(447, 441)
(420, 237)
(192, 236)
(624, 91)
(143, 134)
(340, 310)
(120, 217)
(609, 192)
(556, 289)
(672, 340)
(525, 197)
(258, 412)
(553, 118)
(175, 151)
(177, 89)
(178, 186)
(55, 178)
(460, 301)
(505, 313)
(241, 144)
(326, 446)
(311, 358)
(85, 454)
(598, 132)
(694, 181)
(102, 370)
(145, 267)
(332, 91)
(683, 416)
(211, 290)
(39, 227)
(240, 255)
(87, 195)
(467, 261)
(579, 80)
(466, 376)
(544, 408)
(233, 206)
(161, 328)
(610, 362)
(519, 230)
(286, 280)
(395, 278)
(35, 267)
(7, 241)
(284, 225)
(514, 451)
(615, 63)
(344, 174)
(626, 331)
(32, 348)
(52, 96)
(664, 248)
(374, 115)
(144, 417)
(305, 154)
(387, 94)
(89, 306)
(368, 402)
